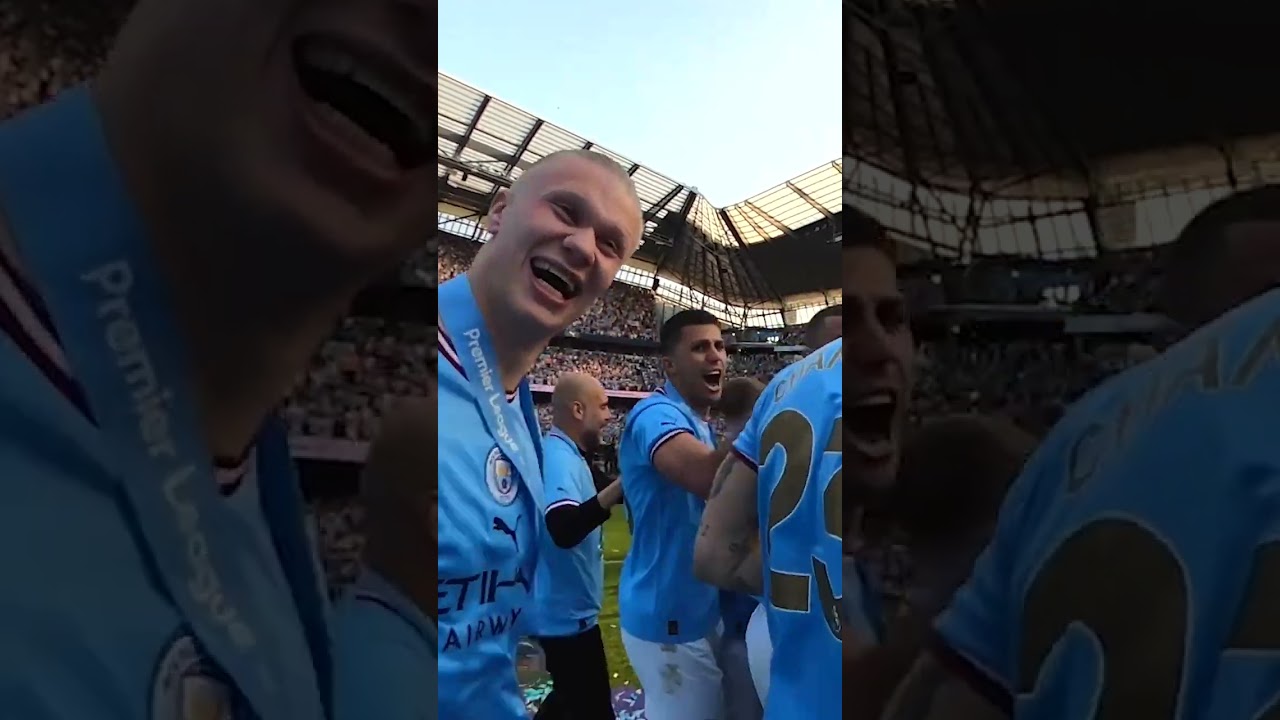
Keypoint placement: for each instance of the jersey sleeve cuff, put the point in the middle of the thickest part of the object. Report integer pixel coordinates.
(560, 504)
(981, 680)
(662, 440)
(743, 457)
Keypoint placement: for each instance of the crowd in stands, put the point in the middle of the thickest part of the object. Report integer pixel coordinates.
(365, 366)
(1030, 382)
(616, 371)
(1124, 283)
(455, 255)
(45, 49)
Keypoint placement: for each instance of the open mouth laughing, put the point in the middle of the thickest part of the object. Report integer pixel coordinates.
(555, 279)
(367, 103)
(869, 422)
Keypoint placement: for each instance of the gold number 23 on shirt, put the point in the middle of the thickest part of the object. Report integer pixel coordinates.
(795, 434)
(1127, 587)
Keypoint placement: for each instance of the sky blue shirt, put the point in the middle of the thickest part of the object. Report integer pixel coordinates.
(100, 628)
(659, 600)
(490, 521)
(570, 582)
(793, 439)
(1152, 510)
(398, 682)
(99, 624)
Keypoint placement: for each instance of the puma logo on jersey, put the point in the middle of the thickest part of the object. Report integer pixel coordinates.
(501, 526)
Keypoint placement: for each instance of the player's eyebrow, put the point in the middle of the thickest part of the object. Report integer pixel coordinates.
(581, 204)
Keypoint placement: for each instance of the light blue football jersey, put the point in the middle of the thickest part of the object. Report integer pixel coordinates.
(490, 519)
(399, 681)
(570, 583)
(659, 600)
(1134, 568)
(793, 439)
(136, 590)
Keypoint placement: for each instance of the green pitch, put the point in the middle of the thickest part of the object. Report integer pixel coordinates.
(617, 541)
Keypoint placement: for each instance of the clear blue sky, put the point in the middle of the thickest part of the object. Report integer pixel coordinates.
(733, 97)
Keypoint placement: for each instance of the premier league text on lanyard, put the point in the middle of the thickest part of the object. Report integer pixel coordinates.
(87, 252)
(512, 428)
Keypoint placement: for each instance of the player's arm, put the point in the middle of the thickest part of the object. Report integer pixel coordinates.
(956, 668)
(570, 521)
(667, 438)
(685, 461)
(933, 692)
(727, 551)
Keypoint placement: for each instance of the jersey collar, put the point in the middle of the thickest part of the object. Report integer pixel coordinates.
(558, 433)
(670, 391)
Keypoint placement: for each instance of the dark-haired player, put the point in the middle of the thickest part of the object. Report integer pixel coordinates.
(826, 325)
(560, 235)
(668, 457)
(176, 240)
(1133, 572)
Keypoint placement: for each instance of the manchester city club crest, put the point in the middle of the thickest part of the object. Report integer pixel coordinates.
(187, 686)
(500, 476)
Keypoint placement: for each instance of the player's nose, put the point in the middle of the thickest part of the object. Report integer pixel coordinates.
(580, 247)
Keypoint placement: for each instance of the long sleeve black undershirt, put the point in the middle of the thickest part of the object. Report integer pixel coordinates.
(570, 524)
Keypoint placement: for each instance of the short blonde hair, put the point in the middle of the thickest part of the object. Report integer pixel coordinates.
(599, 159)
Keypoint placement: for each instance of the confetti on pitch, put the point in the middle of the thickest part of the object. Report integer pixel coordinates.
(628, 702)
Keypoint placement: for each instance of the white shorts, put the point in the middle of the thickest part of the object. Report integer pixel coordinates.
(680, 681)
(759, 652)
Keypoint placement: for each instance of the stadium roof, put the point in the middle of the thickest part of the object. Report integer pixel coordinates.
(1002, 99)
(784, 209)
(486, 143)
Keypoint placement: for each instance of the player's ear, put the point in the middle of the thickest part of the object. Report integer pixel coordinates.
(497, 209)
